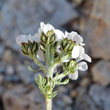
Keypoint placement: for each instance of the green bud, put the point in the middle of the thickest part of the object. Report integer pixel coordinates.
(64, 43)
(48, 38)
(67, 45)
(50, 33)
(24, 48)
(52, 38)
(71, 66)
(43, 38)
(42, 47)
(34, 47)
(29, 48)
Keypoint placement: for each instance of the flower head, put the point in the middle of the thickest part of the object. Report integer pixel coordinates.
(45, 28)
(74, 37)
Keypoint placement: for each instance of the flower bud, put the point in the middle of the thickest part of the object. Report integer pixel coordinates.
(29, 48)
(71, 66)
(42, 47)
(67, 45)
(48, 38)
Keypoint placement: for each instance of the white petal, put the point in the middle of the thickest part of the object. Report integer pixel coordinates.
(79, 59)
(68, 35)
(21, 38)
(36, 37)
(83, 66)
(74, 36)
(58, 49)
(81, 51)
(30, 38)
(59, 35)
(87, 57)
(66, 60)
(73, 76)
(42, 25)
(46, 27)
(82, 44)
(75, 52)
(77, 37)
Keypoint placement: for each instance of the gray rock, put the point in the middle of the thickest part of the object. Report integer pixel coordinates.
(2, 69)
(85, 82)
(23, 17)
(8, 56)
(10, 70)
(84, 102)
(11, 78)
(77, 2)
(62, 90)
(22, 98)
(68, 108)
(1, 79)
(101, 72)
(60, 103)
(101, 96)
(97, 30)
(1, 90)
(24, 74)
(67, 99)
(100, 13)
(1, 51)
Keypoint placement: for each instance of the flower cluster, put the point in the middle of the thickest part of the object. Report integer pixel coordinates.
(56, 47)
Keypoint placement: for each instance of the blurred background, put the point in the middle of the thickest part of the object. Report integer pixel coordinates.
(90, 18)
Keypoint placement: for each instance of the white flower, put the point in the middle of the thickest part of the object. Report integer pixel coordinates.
(74, 36)
(47, 27)
(25, 38)
(59, 35)
(78, 53)
(82, 66)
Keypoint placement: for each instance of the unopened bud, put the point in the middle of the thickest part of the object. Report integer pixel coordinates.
(42, 47)
(71, 66)
(29, 48)
(48, 38)
(67, 45)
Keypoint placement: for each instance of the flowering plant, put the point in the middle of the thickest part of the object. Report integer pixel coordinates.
(55, 48)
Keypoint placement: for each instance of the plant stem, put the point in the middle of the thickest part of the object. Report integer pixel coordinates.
(62, 75)
(39, 64)
(49, 104)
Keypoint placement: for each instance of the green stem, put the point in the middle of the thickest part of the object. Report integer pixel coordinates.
(49, 104)
(62, 75)
(47, 55)
(61, 60)
(39, 64)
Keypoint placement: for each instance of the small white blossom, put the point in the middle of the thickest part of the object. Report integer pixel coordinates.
(77, 51)
(47, 27)
(59, 35)
(74, 36)
(81, 66)
(25, 38)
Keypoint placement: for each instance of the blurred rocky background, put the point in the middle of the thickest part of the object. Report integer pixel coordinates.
(90, 18)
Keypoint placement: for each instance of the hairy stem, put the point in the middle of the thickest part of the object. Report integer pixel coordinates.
(39, 64)
(49, 104)
(62, 75)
